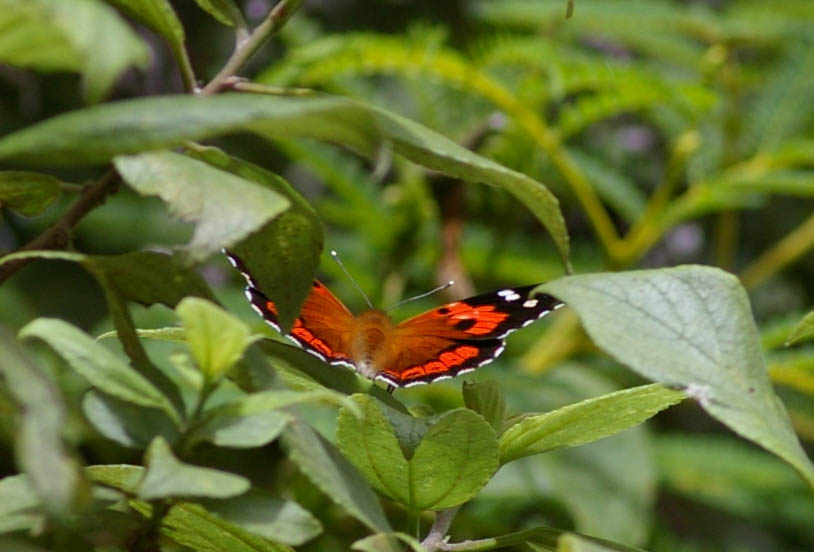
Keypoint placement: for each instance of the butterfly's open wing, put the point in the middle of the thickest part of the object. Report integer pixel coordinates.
(323, 326)
(458, 337)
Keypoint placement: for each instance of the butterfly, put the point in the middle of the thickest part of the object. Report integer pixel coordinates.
(441, 343)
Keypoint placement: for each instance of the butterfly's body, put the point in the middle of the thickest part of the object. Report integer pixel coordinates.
(441, 343)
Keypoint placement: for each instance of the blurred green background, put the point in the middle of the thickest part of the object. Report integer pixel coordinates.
(689, 123)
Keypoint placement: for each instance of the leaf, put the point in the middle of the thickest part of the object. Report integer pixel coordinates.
(261, 513)
(216, 338)
(28, 193)
(222, 10)
(548, 539)
(97, 364)
(41, 453)
(98, 134)
(159, 16)
(226, 208)
(320, 462)
(129, 425)
(82, 35)
(570, 542)
(804, 331)
(18, 503)
(456, 457)
(253, 430)
(585, 421)
(387, 542)
(691, 327)
(167, 477)
(486, 398)
(170, 334)
(283, 255)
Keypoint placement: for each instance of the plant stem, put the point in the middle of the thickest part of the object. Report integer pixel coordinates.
(58, 235)
(245, 48)
(781, 254)
(438, 532)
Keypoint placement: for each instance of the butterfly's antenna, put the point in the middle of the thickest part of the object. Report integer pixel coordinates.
(335, 255)
(425, 294)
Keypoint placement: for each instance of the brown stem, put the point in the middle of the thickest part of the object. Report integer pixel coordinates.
(438, 532)
(58, 235)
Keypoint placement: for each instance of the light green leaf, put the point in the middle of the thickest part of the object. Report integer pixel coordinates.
(320, 462)
(284, 254)
(804, 331)
(486, 398)
(585, 421)
(159, 16)
(28, 193)
(167, 477)
(97, 364)
(570, 542)
(171, 334)
(129, 425)
(248, 431)
(52, 467)
(216, 338)
(691, 327)
(455, 458)
(387, 542)
(82, 35)
(225, 207)
(548, 539)
(98, 134)
(222, 10)
(18, 503)
(261, 513)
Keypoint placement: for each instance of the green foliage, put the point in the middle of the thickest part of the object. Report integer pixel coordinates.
(636, 133)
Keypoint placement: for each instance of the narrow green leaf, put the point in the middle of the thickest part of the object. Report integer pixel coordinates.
(222, 10)
(275, 518)
(97, 364)
(171, 334)
(100, 133)
(28, 193)
(225, 207)
(548, 539)
(216, 338)
(371, 445)
(804, 331)
(329, 471)
(167, 477)
(387, 542)
(158, 15)
(53, 468)
(486, 398)
(129, 425)
(585, 421)
(575, 543)
(283, 255)
(691, 327)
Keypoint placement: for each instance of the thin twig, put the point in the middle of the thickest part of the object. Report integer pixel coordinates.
(58, 235)
(438, 532)
(244, 49)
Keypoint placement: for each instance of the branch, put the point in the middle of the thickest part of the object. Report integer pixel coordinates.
(245, 48)
(436, 538)
(58, 235)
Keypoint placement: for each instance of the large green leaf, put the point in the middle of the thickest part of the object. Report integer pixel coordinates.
(486, 398)
(454, 459)
(225, 207)
(166, 477)
(98, 365)
(585, 421)
(283, 255)
(127, 424)
(26, 192)
(329, 471)
(52, 467)
(81, 35)
(98, 134)
(690, 327)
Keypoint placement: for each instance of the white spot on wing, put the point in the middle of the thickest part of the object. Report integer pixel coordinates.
(530, 304)
(508, 295)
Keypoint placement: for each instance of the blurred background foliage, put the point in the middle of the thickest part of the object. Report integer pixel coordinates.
(671, 131)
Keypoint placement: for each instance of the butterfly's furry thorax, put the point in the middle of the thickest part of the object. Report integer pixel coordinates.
(369, 338)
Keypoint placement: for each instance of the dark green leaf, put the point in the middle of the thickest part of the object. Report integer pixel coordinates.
(225, 207)
(585, 421)
(98, 134)
(167, 477)
(804, 331)
(128, 425)
(26, 192)
(97, 364)
(159, 16)
(247, 431)
(284, 254)
(486, 398)
(328, 470)
(261, 513)
(691, 327)
(222, 10)
(53, 469)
